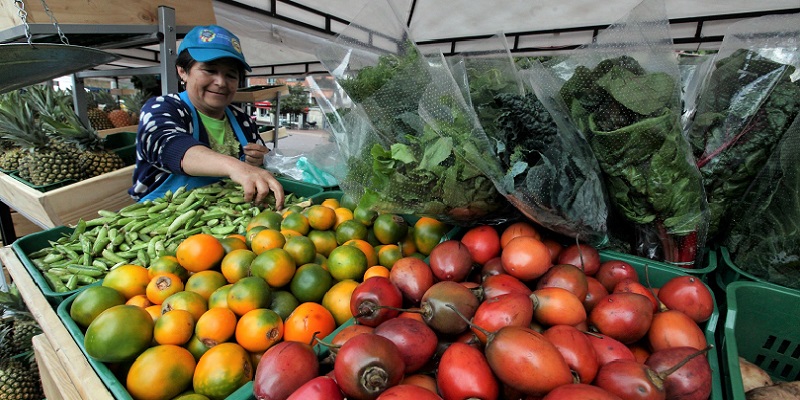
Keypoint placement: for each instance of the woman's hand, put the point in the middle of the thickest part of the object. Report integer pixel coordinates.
(257, 183)
(254, 154)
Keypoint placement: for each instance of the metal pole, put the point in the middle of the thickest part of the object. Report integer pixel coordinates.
(166, 31)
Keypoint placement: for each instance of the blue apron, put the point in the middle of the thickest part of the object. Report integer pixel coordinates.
(175, 181)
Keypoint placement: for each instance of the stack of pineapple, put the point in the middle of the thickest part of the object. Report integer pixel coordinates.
(19, 374)
(45, 140)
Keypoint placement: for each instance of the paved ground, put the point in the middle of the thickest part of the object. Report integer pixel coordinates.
(303, 141)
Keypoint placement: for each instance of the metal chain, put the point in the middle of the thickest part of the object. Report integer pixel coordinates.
(55, 23)
(23, 15)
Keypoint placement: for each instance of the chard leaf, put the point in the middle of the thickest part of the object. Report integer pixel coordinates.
(436, 153)
(402, 152)
(643, 94)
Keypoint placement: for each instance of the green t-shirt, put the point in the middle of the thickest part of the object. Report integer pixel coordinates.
(220, 135)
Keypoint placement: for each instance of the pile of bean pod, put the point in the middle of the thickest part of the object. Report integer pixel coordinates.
(143, 231)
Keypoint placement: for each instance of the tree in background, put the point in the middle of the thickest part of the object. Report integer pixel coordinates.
(296, 103)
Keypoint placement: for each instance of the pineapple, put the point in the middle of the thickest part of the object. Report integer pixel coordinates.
(119, 118)
(41, 163)
(134, 105)
(98, 118)
(93, 158)
(19, 374)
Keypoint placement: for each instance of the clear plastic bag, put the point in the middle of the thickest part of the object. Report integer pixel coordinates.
(764, 234)
(622, 93)
(549, 176)
(398, 164)
(304, 167)
(747, 100)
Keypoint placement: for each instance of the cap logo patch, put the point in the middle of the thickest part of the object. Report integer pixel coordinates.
(207, 36)
(236, 45)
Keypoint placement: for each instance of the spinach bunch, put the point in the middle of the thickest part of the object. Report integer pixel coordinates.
(629, 117)
(742, 113)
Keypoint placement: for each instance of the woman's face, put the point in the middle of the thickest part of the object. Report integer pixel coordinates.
(211, 86)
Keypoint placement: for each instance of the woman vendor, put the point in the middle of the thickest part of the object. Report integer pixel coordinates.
(196, 137)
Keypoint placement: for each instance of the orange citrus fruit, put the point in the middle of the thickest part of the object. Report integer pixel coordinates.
(267, 239)
(205, 282)
(267, 218)
(219, 298)
(347, 262)
(390, 228)
(302, 249)
(128, 279)
(174, 327)
(167, 263)
(331, 203)
(276, 266)
(310, 283)
(350, 229)
(215, 326)
(324, 241)
(139, 300)
(337, 300)
(236, 264)
(200, 252)
(366, 248)
(162, 286)
(306, 321)
(321, 217)
(259, 329)
(342, 214)
(248, 294)
(296, 222)
(376, 270)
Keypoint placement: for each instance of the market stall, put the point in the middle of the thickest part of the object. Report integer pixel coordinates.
(580, 187)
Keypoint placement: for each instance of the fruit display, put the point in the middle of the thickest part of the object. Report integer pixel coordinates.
(313, 302)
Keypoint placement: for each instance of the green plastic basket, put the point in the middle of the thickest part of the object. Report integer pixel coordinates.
(307, 190)
(33, 242)
(117, 388)
(119, 140)
(658, 274)
(42, 188)
(729, 272)
(762, 326)
(705, 272)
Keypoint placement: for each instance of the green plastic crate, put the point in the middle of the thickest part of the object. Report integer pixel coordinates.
(658, 274)
(119, 140)
(762, 326)
(729, 272)
(118, 389)
(303, 189)
(43, 188)
(705, 272)
(29, 244)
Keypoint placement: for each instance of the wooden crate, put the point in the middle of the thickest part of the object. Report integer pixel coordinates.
(67, 204)
(259, 93)
(108, 12)
(70, 366)
(55, 381)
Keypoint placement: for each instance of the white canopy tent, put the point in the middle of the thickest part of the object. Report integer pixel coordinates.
(280, 36)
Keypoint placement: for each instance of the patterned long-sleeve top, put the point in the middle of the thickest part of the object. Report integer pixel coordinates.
(164, 135)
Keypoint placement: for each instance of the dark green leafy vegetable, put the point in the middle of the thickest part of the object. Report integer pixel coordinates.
(745, 108)
(629, 117)
(764, 239)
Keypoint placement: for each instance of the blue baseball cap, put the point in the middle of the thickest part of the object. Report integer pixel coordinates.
(208, 43)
